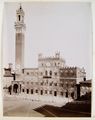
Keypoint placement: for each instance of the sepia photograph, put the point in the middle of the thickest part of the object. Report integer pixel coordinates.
(47, 59)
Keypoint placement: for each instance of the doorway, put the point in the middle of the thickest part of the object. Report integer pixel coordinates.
(55, 93)
(41, 92)
(15, 88)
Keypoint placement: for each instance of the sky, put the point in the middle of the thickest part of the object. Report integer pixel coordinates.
(51, 27)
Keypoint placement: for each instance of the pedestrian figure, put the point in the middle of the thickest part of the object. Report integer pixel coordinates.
(10, 89)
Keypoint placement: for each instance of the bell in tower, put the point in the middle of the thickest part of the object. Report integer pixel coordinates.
(19, 40)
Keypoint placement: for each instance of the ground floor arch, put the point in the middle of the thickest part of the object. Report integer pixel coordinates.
(15, 88)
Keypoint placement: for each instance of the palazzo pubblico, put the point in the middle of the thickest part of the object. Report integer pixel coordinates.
(51, 79)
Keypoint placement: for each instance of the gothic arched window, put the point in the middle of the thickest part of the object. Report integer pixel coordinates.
(46, 73)
(50, 73)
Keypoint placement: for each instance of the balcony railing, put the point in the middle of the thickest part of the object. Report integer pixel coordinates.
(47, 77)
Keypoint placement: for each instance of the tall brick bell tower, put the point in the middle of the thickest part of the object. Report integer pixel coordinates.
(19, 40)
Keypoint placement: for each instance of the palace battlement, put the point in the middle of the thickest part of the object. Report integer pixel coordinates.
(67, 67)
(56, 57)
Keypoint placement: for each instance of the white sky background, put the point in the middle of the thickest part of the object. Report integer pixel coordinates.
(51, 27)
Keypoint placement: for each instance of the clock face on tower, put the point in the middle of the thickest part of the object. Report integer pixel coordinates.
(48, 64)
